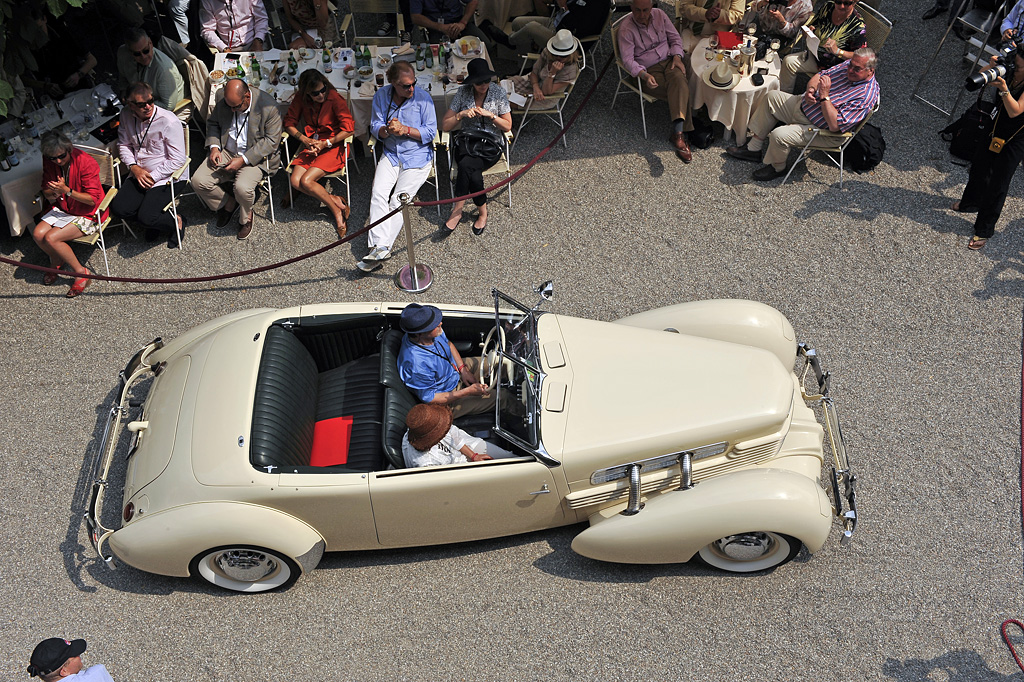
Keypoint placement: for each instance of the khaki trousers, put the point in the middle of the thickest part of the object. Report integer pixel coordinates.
(210, 185)
(672, 87)
(793, 64)
(473, 404)
(779, 107)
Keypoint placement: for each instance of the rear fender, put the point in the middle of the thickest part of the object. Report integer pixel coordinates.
(735, 320)
(674, 524)
(167, 541)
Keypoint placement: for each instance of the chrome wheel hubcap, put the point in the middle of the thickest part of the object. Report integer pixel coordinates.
(746, 546)
(245, 565)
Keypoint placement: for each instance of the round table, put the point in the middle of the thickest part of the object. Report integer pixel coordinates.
(732, 108)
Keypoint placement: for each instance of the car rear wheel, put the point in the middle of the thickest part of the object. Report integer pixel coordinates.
(244, 568)
(750, 552)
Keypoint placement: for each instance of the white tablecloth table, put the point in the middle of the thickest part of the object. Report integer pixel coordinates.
(20, 186)
(360, 100)
(732, 108)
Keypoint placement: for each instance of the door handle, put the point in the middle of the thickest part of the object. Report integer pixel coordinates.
(544, 490)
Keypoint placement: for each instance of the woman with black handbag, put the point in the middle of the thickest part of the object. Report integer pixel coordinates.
(993, 166)
(481, 108)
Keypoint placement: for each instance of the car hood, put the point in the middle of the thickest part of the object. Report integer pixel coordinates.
(632, 393)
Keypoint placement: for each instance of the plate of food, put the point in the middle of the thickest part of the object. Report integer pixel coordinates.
(217, 77)
(468, 47)
(384, 61)
(366, 72)
(306, 53)
(232, 72)
(349, 72)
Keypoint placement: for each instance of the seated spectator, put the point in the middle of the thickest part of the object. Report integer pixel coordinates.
(479, 104)
(557, 67)
(71, 187)
(309, 20)
(151, 143)
(57, 658)
(782, 19)
(178, 10)
(581, 17)
(453, 18)
(234, 25)
(403, 119)
(698, 20)
(139, 60)
(1013, 24)
(243, 132)
(651, 48)
(432, 368)
(432, 440)
(62, 64)
(839, 27)
(326, 123)
(837, 99)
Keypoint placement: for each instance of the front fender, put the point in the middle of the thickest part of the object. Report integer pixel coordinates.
(165, 542)
(735, 320)
(674, 524)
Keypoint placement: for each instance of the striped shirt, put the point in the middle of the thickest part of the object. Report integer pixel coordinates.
(852, 99)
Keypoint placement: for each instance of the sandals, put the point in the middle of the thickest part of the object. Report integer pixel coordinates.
(977, 243)
(78, 287)
(51, 277)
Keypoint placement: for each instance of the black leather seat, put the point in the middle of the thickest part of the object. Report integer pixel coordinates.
(398, 400)
(291, 396)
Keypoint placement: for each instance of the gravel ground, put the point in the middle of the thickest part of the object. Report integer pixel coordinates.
(923, 336)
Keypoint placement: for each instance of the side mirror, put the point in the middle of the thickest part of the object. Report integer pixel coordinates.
(546, 290)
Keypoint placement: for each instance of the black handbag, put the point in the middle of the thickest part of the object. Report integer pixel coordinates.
(477, 142)
(971, 131)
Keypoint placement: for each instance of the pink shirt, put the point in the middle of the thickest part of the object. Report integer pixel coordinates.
(158, 145)
(231, 24)
(645, 46)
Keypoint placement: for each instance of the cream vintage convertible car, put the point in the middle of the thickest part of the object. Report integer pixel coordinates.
(677, 432)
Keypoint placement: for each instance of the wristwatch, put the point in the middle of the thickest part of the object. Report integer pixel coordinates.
(329, 143)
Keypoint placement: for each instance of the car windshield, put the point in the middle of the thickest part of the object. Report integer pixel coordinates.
(518, 399)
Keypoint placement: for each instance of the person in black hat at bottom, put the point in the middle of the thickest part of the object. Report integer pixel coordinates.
(480, 109)
(432, 440)
(61, 659)
(432, 368)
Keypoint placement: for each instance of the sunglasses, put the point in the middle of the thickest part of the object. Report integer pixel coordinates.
(405, 86)
(57, 158)
(241, 105)
(142, 105)
(840, 3)
(144, 51)
(317, 93)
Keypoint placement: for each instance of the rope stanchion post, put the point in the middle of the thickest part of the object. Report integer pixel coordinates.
(415, 277)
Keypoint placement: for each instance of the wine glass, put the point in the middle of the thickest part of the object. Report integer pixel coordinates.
(713, 41)
(709, 53)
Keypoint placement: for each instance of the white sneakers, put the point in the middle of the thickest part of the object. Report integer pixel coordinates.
(374, 259)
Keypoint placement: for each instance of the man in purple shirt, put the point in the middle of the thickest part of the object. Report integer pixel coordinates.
(151, 143)
(652, 50)
(836, 99)
(234, 25)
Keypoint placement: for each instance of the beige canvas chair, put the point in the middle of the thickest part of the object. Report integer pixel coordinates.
(591, 44)
(877, 26)
(341, 174)
(553, 114)
(626, 81)
(172, 206)
(830, 143)
(501, 167)
(109, 179)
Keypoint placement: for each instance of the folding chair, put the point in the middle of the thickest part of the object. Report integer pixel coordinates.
(431, 177)
(172, 206)
(554, 114)
(627, 81)
(109, 179)
(342, 174)
(363, 7)
(877, 26)
(830, 143)
(501, 167)
(591, 44)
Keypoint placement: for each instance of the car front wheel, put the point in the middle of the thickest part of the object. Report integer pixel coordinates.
(245, 569)
(750, 552)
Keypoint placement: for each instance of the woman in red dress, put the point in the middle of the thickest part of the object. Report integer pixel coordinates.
(326, 123)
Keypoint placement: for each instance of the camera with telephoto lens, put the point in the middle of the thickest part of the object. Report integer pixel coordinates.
(1002, 68)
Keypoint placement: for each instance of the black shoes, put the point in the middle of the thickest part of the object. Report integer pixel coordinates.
(935, 11)
(495, 34)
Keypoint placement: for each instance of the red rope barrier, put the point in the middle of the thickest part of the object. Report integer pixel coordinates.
(252, 271)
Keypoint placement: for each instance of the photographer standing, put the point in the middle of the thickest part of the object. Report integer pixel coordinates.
(993, 166)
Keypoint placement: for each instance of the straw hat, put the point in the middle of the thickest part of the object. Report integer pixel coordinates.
(563, 43)
(427, 425)
(722, 77)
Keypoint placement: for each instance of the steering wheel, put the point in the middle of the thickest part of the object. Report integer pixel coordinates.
(489, 357)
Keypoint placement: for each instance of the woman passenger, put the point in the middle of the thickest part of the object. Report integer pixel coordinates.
(478, 104)
(557, 67)
(326, 123)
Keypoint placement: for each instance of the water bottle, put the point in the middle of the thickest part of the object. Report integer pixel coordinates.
(420, 60)
(257, 72)
(293, 66)
(12, 156)
(240, 71)
(367, 58)
(429, 56)
(327, 61)
(5, 165)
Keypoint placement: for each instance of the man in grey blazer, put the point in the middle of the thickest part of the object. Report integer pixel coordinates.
(244, 135)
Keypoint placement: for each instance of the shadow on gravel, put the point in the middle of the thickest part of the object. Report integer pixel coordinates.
(865, 201)
(1006, 277)
(953, 666)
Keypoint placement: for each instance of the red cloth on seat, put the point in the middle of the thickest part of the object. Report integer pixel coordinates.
(330, 442)
(727, 40)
